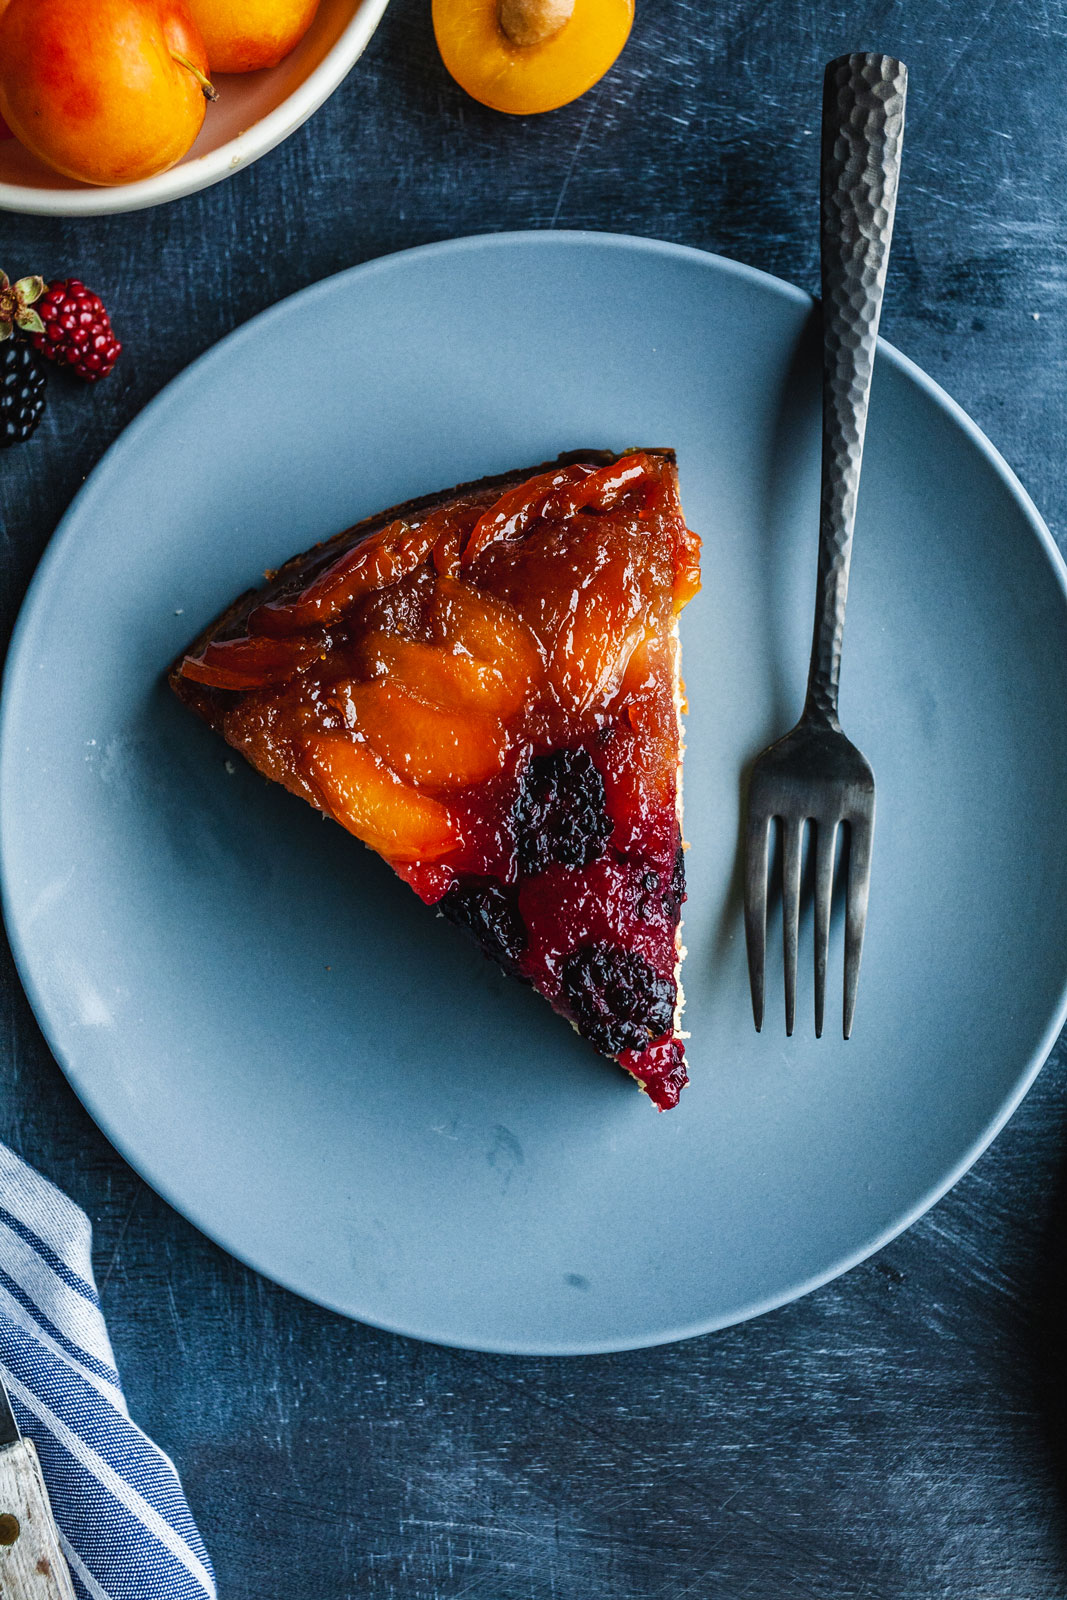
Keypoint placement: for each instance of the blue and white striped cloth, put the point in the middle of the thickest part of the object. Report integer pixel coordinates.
(124, 1524)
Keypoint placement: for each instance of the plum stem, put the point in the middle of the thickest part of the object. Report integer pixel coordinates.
(210, 92)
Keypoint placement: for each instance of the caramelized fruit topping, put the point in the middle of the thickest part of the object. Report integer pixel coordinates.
(370, 801)
(371, 564)
(560, 814)
(249, 663)
(489, 911)
(619, 1001)
(484, 694)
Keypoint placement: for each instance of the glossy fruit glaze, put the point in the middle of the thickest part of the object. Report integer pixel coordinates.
(485, 693)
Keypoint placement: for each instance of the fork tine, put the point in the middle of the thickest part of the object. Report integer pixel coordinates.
(861, 831)
(825, 847)
(757, 839)
(792, 840)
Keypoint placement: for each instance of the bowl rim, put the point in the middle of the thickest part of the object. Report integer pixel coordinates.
(214, 165)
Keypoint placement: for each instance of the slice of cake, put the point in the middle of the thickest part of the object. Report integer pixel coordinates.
(483, 686)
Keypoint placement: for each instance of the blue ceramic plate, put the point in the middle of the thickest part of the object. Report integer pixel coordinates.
(331, 1081)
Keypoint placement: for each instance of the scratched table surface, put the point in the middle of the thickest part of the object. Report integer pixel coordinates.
(903, 1431)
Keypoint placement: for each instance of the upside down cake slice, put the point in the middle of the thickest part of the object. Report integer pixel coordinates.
(483, 686)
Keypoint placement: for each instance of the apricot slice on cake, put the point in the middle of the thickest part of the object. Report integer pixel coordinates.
(432, 746)
(442, 677)
(375, 563)
(364, 796)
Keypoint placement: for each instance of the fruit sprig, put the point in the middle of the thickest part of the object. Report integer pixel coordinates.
(16, 305)
(64, 322)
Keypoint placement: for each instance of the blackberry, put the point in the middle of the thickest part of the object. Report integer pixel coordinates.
(619, 1002)
(649, 899)
(22, 388)
(561, 813)
(489, 912)
(675, 896)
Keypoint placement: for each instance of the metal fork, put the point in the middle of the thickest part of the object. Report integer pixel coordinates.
(815, 775)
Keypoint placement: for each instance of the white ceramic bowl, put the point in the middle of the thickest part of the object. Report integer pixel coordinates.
(254, 112)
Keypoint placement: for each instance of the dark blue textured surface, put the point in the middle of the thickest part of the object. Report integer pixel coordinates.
(900, 1433)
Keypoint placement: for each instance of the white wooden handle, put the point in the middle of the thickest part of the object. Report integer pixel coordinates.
(32, 1566)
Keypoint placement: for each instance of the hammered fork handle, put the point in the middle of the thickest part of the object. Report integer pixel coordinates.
(862, 133)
